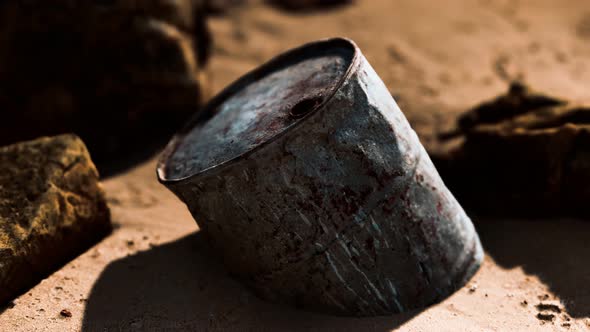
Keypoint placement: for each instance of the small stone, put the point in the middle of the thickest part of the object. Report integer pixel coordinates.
(545, 317)
(95, 254)
(473, 288)
(548, 307)
(52, 208)
(306, 5)
(223, 6)
(65, 313)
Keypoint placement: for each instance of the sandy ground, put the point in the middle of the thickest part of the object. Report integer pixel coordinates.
(155, 272)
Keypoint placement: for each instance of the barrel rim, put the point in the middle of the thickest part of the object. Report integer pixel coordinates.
(236, 86)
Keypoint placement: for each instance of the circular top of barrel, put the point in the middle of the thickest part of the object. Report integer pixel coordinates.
(258, 108)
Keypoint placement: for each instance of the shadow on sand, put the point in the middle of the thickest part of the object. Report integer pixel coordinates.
(109, 167)
(181, 286)
(557, 251)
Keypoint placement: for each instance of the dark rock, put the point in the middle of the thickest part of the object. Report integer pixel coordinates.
(546, 317)
(51, 209)
(548, 307)
(518, 100)
(218, 7)
(524, 153)
(65, 313)
(305, 5)
(117, 73)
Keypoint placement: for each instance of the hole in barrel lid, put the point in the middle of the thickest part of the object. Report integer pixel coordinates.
(304, 106)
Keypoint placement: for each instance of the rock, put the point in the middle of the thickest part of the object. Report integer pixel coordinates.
(65, 313)
(517, 101)
(304, 5)
(223, 6)
(546, 317)
(524, 153)
(51, 209)
(119, 74)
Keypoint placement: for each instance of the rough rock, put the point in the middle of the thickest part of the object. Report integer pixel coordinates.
(117, 73)
(223, 6)
(51, 209)
(523, 153)
(304, 5)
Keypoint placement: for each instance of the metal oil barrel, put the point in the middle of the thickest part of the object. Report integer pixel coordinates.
(314, 190)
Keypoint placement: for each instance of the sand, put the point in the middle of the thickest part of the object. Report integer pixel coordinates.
(155, 272)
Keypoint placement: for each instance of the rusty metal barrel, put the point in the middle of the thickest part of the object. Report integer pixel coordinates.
(314, 190)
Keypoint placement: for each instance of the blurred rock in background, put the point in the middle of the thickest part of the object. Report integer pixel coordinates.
(224, 6)
(218, 7)
(121, 74)
(305, 5)
(524, 153)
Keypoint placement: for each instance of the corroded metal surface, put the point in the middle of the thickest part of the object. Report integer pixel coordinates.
(260, 111)
(342, 212)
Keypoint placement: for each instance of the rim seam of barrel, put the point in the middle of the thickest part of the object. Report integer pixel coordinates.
(229, 91)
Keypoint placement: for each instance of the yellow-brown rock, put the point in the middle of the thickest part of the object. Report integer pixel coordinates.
(52, 208)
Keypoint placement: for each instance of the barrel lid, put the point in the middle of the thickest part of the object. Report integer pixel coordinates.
(258, 108)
